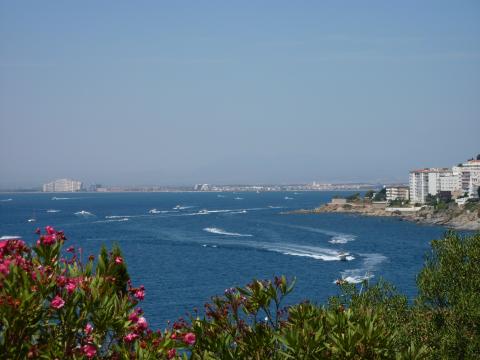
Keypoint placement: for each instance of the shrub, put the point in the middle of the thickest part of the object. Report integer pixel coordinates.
(54, 306)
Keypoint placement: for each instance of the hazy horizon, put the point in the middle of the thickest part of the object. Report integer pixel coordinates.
(143, 93)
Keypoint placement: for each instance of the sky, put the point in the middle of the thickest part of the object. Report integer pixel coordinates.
(185, 92)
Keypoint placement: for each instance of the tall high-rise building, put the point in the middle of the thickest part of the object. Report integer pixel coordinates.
(63, 185)
(418, 184)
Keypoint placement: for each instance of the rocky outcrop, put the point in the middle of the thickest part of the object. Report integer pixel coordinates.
(454, 217)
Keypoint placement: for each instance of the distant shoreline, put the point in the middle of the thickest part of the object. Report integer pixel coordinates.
(176, 191)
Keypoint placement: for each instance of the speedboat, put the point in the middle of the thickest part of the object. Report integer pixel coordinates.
(83, 213)
(153, 211)
(31, 220)
(342, 256)
(203, 212)
(178, 207)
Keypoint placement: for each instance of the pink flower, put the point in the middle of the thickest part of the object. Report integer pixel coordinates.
(3, 244)
(50, 230)
(61, 280)
(49, 240)
(189, 338)
(133, 317)
(142, 323)
(70, 249)
(5, 267)
(37, 231)
(70, 287)
(88, 329)
(89, 350)
(57, 302)
(118, 260)
(130, 337)
(171, 353)
(140, 294)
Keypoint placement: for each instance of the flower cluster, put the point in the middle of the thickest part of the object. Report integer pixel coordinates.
(53, 305)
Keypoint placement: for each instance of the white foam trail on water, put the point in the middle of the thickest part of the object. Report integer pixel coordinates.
(52, 211)
(5, 200)
(369, 264)
(337, 237)
(113, 220)
(178, 207)
(84, 213)
(219, 231)
(313, 252)
(288, 198)
(237, 212)
(60, 198)
(238, 198)
(342, 239)
(10, 237)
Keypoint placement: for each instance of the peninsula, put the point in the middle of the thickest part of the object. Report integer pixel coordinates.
(452, 215)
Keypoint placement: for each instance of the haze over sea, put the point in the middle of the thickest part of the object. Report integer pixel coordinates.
(186, 247)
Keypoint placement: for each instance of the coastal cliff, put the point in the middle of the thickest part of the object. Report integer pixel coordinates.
(461, 218)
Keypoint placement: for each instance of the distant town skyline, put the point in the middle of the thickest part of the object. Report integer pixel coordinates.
(144, 93)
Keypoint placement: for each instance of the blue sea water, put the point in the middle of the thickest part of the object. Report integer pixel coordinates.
(187, 247)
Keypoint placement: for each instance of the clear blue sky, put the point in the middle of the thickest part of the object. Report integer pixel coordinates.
(180, 92)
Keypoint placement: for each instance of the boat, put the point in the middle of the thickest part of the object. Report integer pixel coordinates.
(153, 211)
(342, 256)
(33, 218)
(83, 213)
(203, 212)
(178, 207)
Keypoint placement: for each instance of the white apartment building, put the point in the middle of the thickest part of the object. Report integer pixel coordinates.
(443, 179)
(470, 171)
(62, 185)
(418, 185)
(397, 193)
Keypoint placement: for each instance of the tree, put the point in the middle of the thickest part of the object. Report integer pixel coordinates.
(369, 194)
(478, 157)
(381, 195)
(353, 197)
(448, 286)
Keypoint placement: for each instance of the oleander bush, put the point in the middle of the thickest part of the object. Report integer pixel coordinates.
(58, 307)
(55, 306)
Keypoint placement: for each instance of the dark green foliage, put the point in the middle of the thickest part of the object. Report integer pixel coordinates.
(354, 197)
(381, 195)
(369, 194)
(449, 296)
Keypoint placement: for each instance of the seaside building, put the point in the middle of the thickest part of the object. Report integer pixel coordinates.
(63, 185)
(443, 179)
(470, 175)
(397, 193)
(418, 185)
(201, 187)
(458, 181)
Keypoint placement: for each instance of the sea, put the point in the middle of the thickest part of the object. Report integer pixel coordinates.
(187, 247)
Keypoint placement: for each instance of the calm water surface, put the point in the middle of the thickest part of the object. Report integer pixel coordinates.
(186, 247)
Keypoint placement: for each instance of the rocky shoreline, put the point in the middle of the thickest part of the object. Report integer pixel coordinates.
(452, 217)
